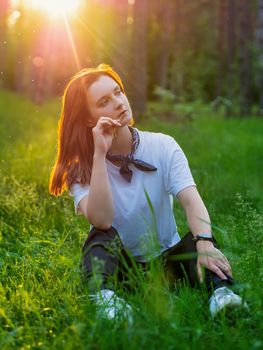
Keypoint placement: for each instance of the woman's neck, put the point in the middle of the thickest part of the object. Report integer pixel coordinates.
(122, 141)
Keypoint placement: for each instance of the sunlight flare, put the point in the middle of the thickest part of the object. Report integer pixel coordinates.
(72, 44)
(55, 8)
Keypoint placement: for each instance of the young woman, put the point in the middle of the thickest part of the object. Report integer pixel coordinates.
(122, 180)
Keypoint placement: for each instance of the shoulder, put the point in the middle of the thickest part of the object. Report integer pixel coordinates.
(158, 139)
(156, 136)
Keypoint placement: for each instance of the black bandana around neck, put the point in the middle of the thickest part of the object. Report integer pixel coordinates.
(125, 171)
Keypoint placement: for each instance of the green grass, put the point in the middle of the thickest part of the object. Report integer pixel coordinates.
(43, 303)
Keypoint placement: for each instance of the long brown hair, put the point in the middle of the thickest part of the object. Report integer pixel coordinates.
(75, 140)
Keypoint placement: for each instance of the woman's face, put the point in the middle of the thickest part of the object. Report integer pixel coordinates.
(105, 99)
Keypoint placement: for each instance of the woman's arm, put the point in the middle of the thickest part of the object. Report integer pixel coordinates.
(195, 210)
(98, 205)
(199, 222)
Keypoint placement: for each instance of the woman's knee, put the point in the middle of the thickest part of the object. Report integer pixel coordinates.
(101, 253)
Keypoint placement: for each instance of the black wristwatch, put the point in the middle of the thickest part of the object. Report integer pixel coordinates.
(204, 237)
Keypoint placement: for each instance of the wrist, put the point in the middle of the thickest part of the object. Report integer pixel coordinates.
(204, 245)
(99, 155)
(203, 237)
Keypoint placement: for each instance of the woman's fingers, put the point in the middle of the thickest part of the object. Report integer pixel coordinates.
(110, 120)
(214, 260)
(224, 267)
(224, 264)
(200, 272)
(218, 272)
(102, 126)
(222, 261)
(106, 124)
(221, 256)
(219, 267)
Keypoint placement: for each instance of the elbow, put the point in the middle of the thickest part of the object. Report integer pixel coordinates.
(101, 226)
(100, 223)
(100, 219)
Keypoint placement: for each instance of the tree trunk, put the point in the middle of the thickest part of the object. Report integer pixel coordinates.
(231, 54)
(176, 80)
(162, 41)
(245, 68)
(138, 63)
(259, 40)
(222, 15)
(121, 43)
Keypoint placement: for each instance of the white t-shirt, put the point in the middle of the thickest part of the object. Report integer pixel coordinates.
(143, 212)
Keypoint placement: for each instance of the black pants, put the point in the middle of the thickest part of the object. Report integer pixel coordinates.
(106, 262)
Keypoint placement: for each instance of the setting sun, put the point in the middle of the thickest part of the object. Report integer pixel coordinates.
(55, 8)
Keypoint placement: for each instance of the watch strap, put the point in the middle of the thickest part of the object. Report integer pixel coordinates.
(203, 237)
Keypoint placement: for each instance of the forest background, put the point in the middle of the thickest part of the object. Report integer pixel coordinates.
(206, 50)
(193, 70)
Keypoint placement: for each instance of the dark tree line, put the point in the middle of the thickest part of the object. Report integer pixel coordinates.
(259, 43)
(210, 50)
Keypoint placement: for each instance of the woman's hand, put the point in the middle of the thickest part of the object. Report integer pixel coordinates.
(103, 134)
(213, 259)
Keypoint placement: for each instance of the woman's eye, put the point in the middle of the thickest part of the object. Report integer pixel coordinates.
(118, 92)
(104, 102)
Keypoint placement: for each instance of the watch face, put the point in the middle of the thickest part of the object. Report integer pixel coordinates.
(205, 235)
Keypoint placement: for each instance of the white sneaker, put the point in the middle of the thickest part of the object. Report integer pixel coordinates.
(223, 298)
(111, 307)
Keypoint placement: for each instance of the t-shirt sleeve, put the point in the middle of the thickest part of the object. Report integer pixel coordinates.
(177, 174)
(78, 191)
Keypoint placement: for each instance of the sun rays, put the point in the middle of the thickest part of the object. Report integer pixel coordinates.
(55, 8)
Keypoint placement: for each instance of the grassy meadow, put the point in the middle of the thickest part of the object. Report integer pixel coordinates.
(44, 304)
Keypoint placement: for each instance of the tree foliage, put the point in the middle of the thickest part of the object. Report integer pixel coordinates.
(199, 50)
